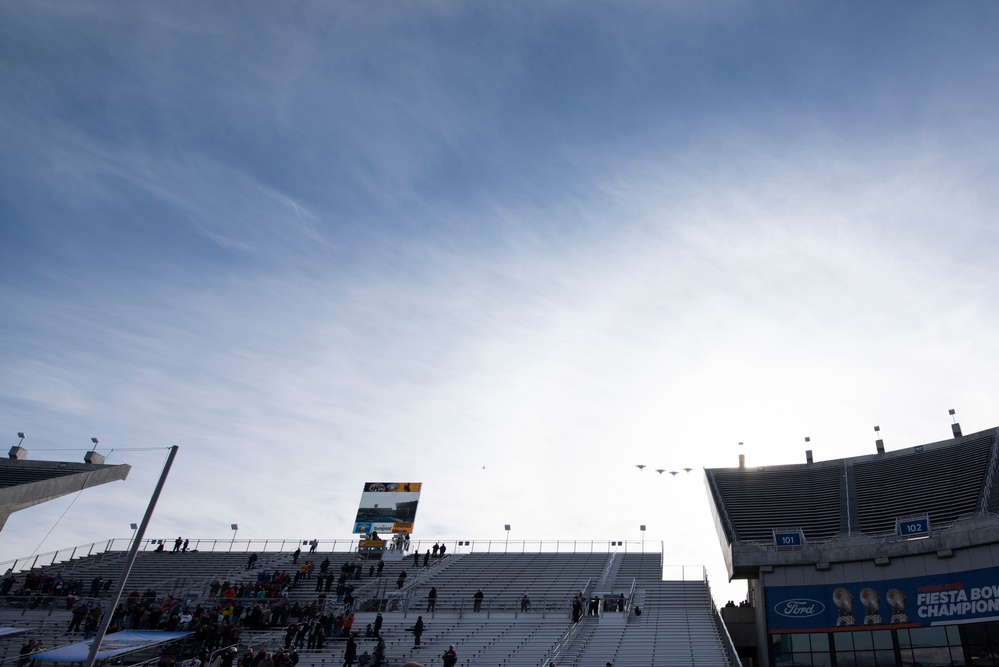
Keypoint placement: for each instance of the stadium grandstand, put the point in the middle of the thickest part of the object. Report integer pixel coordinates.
(886, 559)
(280, 603)
(628, 614)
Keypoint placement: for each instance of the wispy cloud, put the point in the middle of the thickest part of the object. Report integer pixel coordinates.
(502, 253)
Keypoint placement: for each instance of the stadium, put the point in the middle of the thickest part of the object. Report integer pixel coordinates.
(882, 559)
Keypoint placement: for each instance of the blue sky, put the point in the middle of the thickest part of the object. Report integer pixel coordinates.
(506, 249)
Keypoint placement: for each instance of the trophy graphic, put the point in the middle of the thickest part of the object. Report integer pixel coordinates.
(872, 604)
(843, 599)
(896, 599)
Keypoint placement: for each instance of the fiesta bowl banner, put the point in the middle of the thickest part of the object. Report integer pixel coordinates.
(387, 507)
(912, 602)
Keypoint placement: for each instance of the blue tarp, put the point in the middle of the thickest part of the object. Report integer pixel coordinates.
(118, 643)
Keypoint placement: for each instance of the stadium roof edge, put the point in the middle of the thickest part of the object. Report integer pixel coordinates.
(903, 451)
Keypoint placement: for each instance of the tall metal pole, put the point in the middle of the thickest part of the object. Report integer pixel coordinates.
(129, 561)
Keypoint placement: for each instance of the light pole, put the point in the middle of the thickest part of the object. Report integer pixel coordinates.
(642, 528)
(233, 527)
(507, 528)
(95, 645)
(17, 452)
(135, 529)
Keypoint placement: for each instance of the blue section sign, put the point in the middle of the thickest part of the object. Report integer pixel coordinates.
(911, 602)
(914, 527)
(788, 538)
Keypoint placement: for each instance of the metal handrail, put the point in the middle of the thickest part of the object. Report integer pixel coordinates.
(271, 545)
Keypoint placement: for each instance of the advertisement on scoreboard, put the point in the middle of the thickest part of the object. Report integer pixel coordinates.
(387, 507)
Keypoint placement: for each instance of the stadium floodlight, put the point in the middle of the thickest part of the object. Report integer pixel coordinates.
(234, 527)
(954, 427)
(94, 440)
(20, 435)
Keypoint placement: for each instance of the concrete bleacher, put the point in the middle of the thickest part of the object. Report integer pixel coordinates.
(945, 481)
(548, 579)
(757, 501)
(675, 627)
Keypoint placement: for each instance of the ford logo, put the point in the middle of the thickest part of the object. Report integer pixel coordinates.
(801, 608)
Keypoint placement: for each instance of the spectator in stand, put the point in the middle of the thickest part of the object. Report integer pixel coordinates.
(525, 603)
(417, 631)
(9, 580)
(79, 613)
(26, 652)
(401, 581)
(283, 659)
(477, 605)
(177, 543)
(594, 607)
(432, 599)
(450, 657)
(350, 652)
(250, 561)
(295, 555)
(93, 620)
